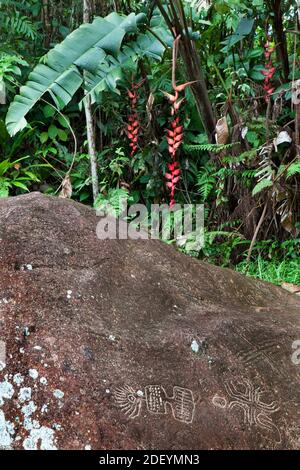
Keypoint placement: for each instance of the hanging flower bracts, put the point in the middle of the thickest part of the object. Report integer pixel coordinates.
(269, 70)
(175, 134)
(133, 126)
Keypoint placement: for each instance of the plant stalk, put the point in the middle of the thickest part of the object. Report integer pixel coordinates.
(90, 130)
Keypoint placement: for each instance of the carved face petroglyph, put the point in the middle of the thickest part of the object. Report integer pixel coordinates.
(128, 401)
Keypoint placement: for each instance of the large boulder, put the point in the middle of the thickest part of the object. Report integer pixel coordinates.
(121, 344)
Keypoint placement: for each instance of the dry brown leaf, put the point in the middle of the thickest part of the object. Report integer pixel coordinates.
(66, 191)
(222, 131)
(149, 106)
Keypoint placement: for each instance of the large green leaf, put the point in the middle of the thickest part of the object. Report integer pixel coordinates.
(243, 29)
(109, 73)
(86, 48)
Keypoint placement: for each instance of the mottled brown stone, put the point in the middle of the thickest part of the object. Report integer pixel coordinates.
(152, 349)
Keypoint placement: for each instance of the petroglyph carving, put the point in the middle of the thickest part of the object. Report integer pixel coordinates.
(264, 349)
(219, 402)
(205, 388)
(243, 395)
(183, 405)
(156, 400)
(129, 401)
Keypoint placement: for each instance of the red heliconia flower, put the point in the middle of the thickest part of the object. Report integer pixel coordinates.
(174, 139)
(175, 134)
(173, 176)
(269, 71)
(133, 126)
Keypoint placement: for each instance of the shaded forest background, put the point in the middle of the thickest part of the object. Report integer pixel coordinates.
(239, 152)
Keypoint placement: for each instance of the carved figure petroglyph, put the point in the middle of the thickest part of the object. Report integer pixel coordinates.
(245, 396)
(264, 349)
(155, 398)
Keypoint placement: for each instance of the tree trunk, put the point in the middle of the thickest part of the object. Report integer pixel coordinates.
(90, 130)
(200, 93)
(47, 26)
(280, 38)
(177, 23)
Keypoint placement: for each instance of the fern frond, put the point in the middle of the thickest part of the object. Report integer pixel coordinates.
(224, 172)
(248, 174)
(214, 148)
(206, 181)
(293, 169)
(113, 201)
(247, 155)
(21, 25)
(265, 183)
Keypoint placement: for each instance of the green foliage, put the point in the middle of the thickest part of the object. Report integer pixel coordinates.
(206, 181)
(103, 59)
(14, 176)
(265, 183)
(21, 25)
(242, 30)
(10, 72)
(93, 48)
(214, 148)
(274, 261)
(9, 66)
(274, 271)
(113, 202)
(293, 169)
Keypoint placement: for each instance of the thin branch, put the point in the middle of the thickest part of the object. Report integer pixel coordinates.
(262, 217)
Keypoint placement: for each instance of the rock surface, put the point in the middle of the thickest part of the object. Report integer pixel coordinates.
(131, 345)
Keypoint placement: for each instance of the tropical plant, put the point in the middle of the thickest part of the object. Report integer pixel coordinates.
(94, 48)
(244, 58)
